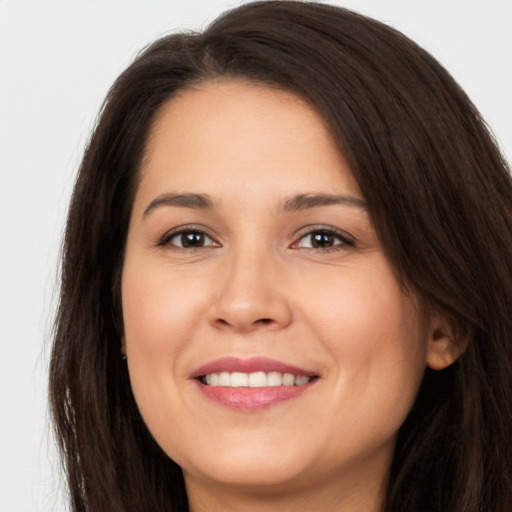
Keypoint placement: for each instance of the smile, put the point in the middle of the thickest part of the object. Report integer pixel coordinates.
(254, 380)
(251, 384)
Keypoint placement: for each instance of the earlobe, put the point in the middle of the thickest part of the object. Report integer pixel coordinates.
(445, 345)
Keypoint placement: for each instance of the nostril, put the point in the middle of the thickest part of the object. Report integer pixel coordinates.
(245, 326)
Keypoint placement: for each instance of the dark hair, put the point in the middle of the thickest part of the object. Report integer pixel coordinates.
(439, 194)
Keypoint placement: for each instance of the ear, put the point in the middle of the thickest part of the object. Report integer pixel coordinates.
(446, 342)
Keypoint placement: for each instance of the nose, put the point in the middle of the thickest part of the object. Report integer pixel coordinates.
(251, 296)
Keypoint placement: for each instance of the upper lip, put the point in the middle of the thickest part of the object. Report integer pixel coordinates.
(253, 364)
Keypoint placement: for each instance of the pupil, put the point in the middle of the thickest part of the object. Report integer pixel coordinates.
(192, 239)
(322, 240)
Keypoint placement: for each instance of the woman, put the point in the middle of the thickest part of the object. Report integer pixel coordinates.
(286, 279)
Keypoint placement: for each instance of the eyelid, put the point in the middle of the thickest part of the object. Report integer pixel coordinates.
(346, 239)
(164, 240)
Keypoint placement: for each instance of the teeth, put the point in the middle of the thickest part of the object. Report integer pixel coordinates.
(239, 380)
(300, 380)
(224, 379)
(288, 379)
(255, 379)
(275, 379)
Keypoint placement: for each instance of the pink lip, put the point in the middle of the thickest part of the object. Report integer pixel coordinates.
(250, 399)
(254, 364)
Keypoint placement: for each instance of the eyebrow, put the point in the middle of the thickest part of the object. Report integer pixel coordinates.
(295, 203)
(196, 201)
(306, 201)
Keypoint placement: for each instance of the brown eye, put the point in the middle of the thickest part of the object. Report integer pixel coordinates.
(323, 239)
(192, 239)
(189, 239)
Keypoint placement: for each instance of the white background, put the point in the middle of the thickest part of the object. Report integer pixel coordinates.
(57, 60)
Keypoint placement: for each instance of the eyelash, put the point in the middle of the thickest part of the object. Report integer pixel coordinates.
(165, 240)
(344, 239)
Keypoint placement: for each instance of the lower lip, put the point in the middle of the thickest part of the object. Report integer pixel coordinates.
(251, 399)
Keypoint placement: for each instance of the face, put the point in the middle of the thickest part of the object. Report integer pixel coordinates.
(268, 341)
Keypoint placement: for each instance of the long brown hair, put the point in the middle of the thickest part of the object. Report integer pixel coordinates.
(439, 194)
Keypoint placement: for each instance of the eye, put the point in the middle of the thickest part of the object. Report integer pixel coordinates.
(187, 239)
(323, 239)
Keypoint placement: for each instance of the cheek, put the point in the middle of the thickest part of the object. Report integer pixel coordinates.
(160, 318)
(378, 339)
(366, 308)
(159, 310)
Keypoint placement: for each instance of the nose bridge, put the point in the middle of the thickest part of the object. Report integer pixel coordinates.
(250, 294)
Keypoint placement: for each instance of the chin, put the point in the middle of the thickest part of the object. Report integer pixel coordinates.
(255, 474)
(255, 463)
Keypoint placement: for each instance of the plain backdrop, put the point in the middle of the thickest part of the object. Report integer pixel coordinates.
(57, 60)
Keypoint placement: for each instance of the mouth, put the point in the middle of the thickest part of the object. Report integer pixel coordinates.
(251, 384)
(258, 379)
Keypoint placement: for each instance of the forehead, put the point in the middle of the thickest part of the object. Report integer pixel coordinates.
(231, 134)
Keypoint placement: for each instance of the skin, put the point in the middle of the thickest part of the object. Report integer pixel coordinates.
(257, 287)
